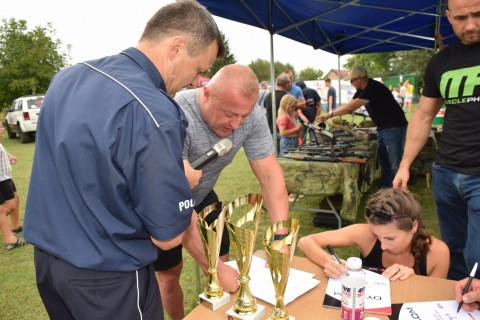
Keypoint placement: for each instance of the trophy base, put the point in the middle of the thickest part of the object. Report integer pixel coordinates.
(258, 315)
(289, 318)
(215, 304)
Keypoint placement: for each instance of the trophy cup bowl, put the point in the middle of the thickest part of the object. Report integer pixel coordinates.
(211, 236)
(279, 256)
(242, 234)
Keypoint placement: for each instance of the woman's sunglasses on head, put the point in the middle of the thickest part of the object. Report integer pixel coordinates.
(383, 217)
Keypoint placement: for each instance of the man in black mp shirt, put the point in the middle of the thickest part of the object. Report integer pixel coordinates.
(451, 77)
(387, 115)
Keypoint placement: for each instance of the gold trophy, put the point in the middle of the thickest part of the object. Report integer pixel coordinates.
(211, 235)
(242, 237)
(279, 256)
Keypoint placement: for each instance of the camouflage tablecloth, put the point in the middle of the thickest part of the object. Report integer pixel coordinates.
(322, 179)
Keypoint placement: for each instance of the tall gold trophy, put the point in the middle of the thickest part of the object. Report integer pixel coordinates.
(242, 238)
(279, 256)
(211, 235)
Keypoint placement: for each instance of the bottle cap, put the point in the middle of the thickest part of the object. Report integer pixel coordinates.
(354, 263)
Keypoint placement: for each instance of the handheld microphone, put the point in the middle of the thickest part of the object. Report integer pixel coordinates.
(218, 150)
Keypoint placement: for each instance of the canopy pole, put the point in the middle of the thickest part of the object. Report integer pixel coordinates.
(339, 81)
(274, 98)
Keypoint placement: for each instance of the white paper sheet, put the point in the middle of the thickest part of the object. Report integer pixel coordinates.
(261, 284)
(435, 310)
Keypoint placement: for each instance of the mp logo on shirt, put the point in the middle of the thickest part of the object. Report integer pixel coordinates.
(461, 85)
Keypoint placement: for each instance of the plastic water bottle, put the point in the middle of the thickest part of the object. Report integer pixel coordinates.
(353, 290)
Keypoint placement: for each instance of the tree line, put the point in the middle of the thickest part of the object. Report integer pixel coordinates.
(30, 58)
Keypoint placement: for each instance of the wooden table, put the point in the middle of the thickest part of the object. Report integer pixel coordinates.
(309, 306)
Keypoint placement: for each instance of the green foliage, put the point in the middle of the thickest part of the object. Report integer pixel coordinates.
(387, 64)
(229, 58)
(262, 68)
(310, 74)
(28, 59)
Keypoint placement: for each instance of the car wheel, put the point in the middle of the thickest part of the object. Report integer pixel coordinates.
(11, 135)
(24, 136)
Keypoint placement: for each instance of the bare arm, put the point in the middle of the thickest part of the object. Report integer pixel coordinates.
(193, 244)
(319, 109)
(193, 176)
(347, 108)
(302, 116)
(271, 178)
(313, 246)
(301, 103)
(438, 259)
(417, 135)
(168, 244)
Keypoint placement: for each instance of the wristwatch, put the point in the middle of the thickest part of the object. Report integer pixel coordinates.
(278, 237)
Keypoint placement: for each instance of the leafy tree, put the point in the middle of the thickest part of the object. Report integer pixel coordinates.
(377, 64)
(262, 68)
(228, 58)
(28, 59)
(310, 74)
(387, 64)
(412, 62)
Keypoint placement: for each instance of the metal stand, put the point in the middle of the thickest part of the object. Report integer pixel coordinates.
(332, 209)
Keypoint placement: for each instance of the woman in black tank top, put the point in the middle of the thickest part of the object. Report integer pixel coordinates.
(394, 240)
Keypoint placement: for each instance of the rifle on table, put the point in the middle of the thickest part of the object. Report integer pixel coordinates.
(324, 159)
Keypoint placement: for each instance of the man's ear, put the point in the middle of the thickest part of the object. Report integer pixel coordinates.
(176, 46)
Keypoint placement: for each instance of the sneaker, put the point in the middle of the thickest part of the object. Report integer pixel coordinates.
(10, 246)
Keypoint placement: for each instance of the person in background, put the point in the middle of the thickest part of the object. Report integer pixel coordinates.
(312, 108)
(107, 190)
(407, 104)
(262, 94)
(8, 200)
(394, 240)
(471, 299)
(295, 90)
(402, 92)
(287, 123)
(331, 95)
(225, 108)
(385, 113)
(456, 170)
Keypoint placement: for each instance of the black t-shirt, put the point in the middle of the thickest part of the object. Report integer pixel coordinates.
(453, 74)
(382, 107)
(311, 99)
(268, 105)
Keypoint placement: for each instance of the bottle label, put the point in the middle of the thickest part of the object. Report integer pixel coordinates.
(353, 303)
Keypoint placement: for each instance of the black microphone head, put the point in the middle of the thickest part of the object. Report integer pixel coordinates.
(223, 146)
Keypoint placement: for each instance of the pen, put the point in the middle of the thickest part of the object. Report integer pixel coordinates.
(332, 252)
(472, 274)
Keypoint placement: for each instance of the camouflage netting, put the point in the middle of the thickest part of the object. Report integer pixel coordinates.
(321, 179)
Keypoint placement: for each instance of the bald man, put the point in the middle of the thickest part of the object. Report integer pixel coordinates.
(225, 108)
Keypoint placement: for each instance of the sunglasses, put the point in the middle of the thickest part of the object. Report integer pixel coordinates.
(383, 217)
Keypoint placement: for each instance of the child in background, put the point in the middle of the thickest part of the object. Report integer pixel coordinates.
(287, 125)
(8, 200)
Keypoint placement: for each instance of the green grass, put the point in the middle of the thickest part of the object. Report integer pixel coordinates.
(19, 298)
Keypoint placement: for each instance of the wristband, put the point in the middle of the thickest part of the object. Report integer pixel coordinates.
(278, 237)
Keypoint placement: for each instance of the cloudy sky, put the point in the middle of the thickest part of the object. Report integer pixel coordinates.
(104, 27)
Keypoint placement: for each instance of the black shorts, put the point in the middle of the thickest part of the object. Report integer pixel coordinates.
(7, 189)
(171, 258)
